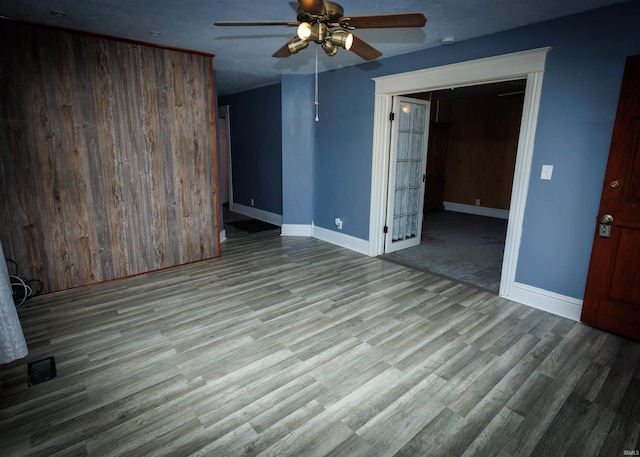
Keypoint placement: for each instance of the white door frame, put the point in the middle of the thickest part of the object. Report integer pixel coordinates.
(519, 65)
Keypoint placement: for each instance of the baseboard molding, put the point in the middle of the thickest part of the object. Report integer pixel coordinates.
(223, 235)
(255, 213)
(541, 299)
(545, 300)
(477, 210)
(296, 230)
(342, 240)
(330, 236)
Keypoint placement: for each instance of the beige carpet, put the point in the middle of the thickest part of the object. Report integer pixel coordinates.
(464, 247)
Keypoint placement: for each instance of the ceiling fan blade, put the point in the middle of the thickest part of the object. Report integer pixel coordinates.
(364, 49)
(255, 23)
(283, 51)
(384, 21)
(316, 7)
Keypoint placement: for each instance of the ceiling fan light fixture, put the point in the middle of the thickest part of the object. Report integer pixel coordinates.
(342, 38)
(296, 44)
(304, 31)
(324, 23)
(330, 48)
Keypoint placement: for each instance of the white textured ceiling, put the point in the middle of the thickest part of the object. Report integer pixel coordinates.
(243, 54)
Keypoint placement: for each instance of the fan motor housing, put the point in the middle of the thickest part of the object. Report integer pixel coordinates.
(334, 13)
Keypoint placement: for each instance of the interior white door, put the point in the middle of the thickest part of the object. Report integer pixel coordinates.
(407, 167)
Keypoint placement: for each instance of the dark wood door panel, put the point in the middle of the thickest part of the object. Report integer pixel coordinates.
(612, 295)
(625, 277)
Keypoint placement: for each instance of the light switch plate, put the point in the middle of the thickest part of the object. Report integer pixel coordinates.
(547, 171)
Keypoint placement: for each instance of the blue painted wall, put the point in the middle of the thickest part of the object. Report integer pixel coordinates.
(256, 147)
(577, 112)
(298, 147)
(579, 98)
(343, 151)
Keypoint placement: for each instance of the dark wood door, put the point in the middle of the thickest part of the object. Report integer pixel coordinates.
(612, 295)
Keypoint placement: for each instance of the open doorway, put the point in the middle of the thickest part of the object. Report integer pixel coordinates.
(473, 142)
(527, 65)
(225, 187)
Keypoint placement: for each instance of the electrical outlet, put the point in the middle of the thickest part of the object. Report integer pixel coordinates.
(253, 202)
(477, 202)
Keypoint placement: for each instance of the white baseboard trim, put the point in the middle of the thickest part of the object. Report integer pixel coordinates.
(535, 297)
(223, 235)
(545, 300)
(342, 240)
(250, 211)
(478, 210)
(330, 236)
(296, 230)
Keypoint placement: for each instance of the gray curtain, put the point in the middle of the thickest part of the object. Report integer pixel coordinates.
(12, 343)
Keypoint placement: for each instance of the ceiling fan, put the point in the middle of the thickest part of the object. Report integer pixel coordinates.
(324, 23)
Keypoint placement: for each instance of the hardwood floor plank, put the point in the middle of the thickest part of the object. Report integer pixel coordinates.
(489, 441)
(271, 436)
(310, 436)
(504, 368)
(586, 436)
(285, 400)
(427, 440)
(623, 435)
(539, 418)
(91, 419)
(291, 346)
(397, 424)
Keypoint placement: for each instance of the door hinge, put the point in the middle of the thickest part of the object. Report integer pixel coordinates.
(392, 116)
(385, 229)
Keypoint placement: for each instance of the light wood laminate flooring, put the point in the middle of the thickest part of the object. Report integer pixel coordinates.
(291, 346)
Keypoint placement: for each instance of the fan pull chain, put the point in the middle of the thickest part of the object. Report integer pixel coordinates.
(317, 103)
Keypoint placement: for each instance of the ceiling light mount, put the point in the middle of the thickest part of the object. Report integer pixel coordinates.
(448, 40)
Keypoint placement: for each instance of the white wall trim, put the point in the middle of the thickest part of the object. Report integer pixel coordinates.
(477, 210)
(250, 211)
(379, 173)
(544, 300)
(330, 236)
(534, 297)
(521, 177)
(296, 230)
(526, 64)
(342, 240)
(496, 68)
(223, 235)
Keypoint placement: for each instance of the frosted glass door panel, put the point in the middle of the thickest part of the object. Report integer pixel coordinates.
(406, 173)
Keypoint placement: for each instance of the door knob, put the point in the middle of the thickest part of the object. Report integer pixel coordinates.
(606, 219)
(614, 184)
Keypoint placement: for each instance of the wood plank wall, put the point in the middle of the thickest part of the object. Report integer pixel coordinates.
(107, 162)
(482, 142)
